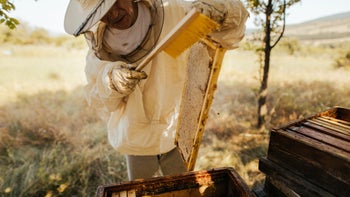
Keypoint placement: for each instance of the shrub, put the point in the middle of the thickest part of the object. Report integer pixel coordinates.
(290, 45)
(343, 61)
(26, 35)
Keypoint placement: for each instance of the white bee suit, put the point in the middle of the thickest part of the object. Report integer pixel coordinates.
(144, 122)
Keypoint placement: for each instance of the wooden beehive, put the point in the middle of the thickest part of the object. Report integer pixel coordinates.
(310, 157)
(224, 182)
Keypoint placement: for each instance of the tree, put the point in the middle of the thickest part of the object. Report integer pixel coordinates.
(270, 16)
(5, 8)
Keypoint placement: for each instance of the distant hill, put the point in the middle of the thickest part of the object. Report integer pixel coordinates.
(331, 28)
(330, 17)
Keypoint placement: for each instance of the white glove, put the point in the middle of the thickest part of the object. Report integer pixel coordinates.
(125, 79)
(215, 10)
(228, 13)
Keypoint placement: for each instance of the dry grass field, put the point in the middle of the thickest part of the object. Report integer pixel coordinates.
(52, 144)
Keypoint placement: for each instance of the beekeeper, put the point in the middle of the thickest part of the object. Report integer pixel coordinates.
(142, 106)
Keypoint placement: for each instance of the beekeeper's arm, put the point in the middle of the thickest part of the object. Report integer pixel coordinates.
(109, 82)
(230, 14)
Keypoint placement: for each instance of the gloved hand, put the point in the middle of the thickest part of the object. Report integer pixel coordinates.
(125, 79)
(215, 10)
(228, 13)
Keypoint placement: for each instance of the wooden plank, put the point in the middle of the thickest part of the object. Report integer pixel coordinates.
(315, 149)
(296, 183)
(203, 182)
(330, 126)
(278, 188)
(316, 162)
(308, 144)
(319, 128)
(322, 137)
(122, 194)
(339, 128)
(307, 170)
(339, 113)
(334, 120)
(131, 193)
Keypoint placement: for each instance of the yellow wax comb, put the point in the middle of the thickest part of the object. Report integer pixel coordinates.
(188, 31)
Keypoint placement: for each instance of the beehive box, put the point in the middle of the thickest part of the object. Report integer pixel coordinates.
(310, 157)
(220, 182)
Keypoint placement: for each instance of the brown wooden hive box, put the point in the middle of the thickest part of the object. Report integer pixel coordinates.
(310, 157)
(218, 182)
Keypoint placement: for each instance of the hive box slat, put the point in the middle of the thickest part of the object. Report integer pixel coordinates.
(217, 182)
(315, 149)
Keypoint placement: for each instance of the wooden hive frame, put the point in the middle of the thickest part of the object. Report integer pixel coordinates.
(189, 134)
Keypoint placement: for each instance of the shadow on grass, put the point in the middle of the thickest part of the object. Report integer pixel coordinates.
(52, 143)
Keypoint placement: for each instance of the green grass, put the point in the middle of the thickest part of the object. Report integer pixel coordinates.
(52, 144)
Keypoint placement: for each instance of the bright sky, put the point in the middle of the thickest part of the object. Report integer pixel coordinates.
(49, 14)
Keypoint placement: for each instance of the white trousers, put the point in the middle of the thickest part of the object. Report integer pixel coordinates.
(153, 165)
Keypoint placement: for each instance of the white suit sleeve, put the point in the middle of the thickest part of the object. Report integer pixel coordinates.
(98, 91)
(232, 16)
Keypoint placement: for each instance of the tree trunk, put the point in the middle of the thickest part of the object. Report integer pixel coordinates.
(262, 94)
